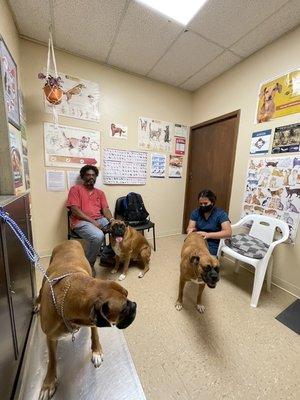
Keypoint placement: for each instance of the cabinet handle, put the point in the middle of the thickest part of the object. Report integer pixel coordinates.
(12, 291)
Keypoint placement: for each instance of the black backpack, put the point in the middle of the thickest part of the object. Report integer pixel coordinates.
(133, 209)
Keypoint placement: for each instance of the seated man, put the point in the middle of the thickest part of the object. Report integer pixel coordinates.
(89, 212)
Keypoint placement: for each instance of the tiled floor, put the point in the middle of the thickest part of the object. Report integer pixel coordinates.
(232, 351)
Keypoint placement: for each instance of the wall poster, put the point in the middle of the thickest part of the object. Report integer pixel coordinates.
(10, 85)
(286, 139)
(158, 165)
(279, 97)
(67, 146)
(273, 189)
(81, 100)
(260, 142)
(155, 134)
(123, 167)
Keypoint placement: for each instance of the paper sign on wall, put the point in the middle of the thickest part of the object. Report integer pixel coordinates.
(180, 145)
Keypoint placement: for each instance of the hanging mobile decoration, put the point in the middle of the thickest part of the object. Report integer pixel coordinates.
(53, 84)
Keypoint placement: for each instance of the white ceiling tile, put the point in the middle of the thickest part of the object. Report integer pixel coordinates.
(226, 21)
(285, 19)
(219, 65)
(188, 54)
(87, 27)
(143, 38)
(32, 17)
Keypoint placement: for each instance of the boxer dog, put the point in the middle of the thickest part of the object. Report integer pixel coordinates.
(197, 265)
(128, 244)
(80, 300)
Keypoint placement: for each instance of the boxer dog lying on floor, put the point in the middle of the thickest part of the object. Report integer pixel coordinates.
(197, 265)
(128, 244)
(80, 301)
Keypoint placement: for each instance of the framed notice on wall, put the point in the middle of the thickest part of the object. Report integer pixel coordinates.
(10, 85)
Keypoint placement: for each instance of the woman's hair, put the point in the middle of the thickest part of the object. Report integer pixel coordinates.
(87, 168)
(208, 194)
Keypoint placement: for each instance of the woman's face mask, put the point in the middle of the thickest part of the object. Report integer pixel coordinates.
(205, 205)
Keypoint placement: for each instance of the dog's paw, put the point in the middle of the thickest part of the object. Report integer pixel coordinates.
(200, 308)
(36, 308)
(48, 391)
(122, 277)
(97, 359)
(113, 271)
(178, 306)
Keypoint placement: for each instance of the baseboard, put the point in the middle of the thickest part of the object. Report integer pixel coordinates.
(278, 282)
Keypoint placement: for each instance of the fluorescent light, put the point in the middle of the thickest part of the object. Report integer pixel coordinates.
(180, 10)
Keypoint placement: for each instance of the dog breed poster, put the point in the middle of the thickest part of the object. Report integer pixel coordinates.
(279, 97)
(81, 100)
(123, 167)
(155, 134)
(273, 189)
(118, 131)
(67, 146)
(286, 139)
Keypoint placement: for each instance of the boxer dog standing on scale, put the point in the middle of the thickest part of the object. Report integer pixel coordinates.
(197, 265)
(80, 300)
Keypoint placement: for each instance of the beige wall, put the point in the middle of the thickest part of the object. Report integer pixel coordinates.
(124, 98)
(238, 89)
(8, 31)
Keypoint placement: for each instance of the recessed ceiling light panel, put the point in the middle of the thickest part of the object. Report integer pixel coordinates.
(180, 10)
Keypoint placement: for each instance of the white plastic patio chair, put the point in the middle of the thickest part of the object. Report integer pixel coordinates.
(263, 228)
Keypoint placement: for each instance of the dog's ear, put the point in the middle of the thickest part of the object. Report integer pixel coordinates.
(263, 92)
(99, 314)
(195, 260)
(278, 87)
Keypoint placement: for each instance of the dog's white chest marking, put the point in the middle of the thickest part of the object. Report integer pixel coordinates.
(117, 249)
(197, 281)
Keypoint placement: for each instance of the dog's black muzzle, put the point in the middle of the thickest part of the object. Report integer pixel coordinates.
(127, 315)
(211, 278)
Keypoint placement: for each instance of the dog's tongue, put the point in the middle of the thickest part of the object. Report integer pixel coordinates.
(119, 239)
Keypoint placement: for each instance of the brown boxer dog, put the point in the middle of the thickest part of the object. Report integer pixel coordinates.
(128, 244)
(197, 265)
(81, 300)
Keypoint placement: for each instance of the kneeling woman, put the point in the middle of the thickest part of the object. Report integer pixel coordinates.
(210, 222)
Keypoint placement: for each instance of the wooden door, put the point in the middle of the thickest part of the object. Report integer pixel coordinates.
(211, 161)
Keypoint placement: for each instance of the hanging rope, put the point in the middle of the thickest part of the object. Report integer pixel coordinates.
(53, 94)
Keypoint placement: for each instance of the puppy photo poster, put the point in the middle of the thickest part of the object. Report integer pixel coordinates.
(273, 189)
(279, 97)
(118, 131)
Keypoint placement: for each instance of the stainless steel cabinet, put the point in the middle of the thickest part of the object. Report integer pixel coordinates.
(16, 296)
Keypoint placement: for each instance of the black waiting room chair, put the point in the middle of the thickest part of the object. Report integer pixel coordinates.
(144, 226)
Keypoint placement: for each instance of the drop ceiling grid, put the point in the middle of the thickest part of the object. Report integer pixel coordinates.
(219, 65)
(33, 18)
(140, 42)
(225, 22)
(188, 54)
(87, 28)
(285, 19)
